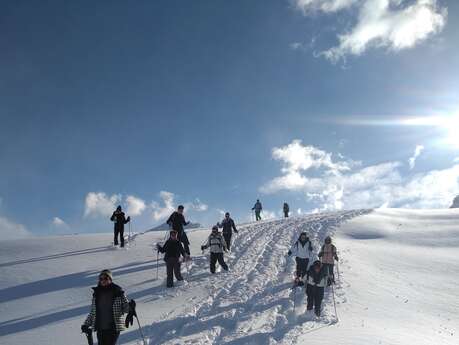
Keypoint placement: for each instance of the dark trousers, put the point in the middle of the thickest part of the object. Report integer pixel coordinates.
(315, 296)
(186, 243)
(173, 267)
(328, 268)
(214, 257)
(227, 237)
(119, 230)
(107, 337)
(286, 214)
(257, 215)
(301, 267)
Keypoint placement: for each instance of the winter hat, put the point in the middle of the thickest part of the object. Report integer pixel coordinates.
(107, 273)
(180, 207)
(214, 228)
(118, 208)
(227, 214)
(328, 240)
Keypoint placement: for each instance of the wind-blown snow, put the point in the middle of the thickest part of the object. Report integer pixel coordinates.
(398, 283)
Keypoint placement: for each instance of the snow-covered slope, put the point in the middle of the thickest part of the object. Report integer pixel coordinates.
(398, 284)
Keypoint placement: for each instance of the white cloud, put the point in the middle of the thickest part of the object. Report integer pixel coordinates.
(135, 206)
(197, 205)
(323, 5)
(417, 152)
(99, 204)
(164, 211)
(12, 231)
(296, 45)
(297, 158)
(59, 222)
(393, 24)
(371, 186)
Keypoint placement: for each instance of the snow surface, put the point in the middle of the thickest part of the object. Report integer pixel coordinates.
(398, 284)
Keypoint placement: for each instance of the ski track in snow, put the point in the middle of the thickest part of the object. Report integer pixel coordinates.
(253, 302)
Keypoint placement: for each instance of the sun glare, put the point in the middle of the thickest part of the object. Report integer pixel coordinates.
(451, 126)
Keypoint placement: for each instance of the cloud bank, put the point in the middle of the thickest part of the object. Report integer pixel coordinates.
(391, 24)
(100, 204)
(346, 184)
(12, 231)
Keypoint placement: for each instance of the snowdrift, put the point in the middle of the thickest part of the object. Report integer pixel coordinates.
(398, 283)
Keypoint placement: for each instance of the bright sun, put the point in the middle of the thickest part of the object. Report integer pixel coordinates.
(451, 125)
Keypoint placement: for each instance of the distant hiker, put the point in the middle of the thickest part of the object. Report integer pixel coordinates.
(109, 303)
(119, 219)
(217, 246)
(228, 226)
(328, 255)
(176, 221)
(286, 210)
(173, 249)
(257, 207)
(315, 286)
(301, 249)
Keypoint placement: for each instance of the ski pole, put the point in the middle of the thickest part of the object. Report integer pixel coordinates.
(129, 236)
(140, 330)
(157, 265)
(334, 302)
(337, 268)
(294, 299)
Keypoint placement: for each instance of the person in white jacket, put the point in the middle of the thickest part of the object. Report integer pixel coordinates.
(217, 245)
(302, 250)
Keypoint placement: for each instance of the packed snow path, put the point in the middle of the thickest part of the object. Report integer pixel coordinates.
(253, 303)
(399, 277)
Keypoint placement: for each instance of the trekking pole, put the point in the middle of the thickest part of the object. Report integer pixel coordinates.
(334, 301)
(337, 268)
(140, 330)
(157, 265)
(294, 299)
(129, 236)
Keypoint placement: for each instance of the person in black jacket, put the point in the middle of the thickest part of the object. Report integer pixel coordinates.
(109, 303)
(286, 209)
(176, 221)
(119, 219)
(316, 280)
(228, 226)
(173, 249)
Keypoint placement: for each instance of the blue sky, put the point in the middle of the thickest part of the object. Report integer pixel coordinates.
(214, 104)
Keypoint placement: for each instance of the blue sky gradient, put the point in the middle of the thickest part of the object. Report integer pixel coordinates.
(135, 98)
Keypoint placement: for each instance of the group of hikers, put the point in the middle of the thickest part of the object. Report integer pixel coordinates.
(109, 302)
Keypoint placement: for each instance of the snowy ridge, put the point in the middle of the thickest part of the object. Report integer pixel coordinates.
(399, 277)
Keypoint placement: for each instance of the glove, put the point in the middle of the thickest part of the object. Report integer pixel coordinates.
(129, 320)
(85, 329)
(187, 223)
(203, 247)
(131, 314)
(128, 218)
(320, 255)
(336, 258)
(132, 305)
(289, 253)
